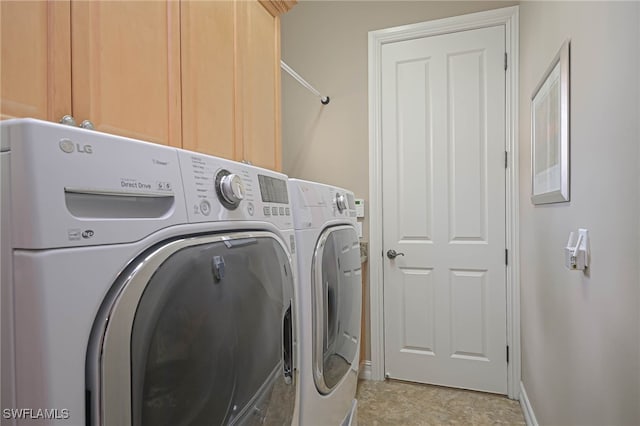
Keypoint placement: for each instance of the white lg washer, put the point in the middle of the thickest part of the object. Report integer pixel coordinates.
(141, 284)
(330, 299)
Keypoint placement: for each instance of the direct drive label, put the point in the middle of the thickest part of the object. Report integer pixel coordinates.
(130, 183)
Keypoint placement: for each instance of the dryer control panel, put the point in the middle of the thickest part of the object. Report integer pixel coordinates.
(317, 203)
(217, 189)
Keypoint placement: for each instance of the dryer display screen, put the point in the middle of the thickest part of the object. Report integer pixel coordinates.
(273, 190)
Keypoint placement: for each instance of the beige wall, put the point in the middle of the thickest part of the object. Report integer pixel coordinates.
(580, 332)
(326, 43)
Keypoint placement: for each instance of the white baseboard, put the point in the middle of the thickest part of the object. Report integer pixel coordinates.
(365, 370)
(527, 409)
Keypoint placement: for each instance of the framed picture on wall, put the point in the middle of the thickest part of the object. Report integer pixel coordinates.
(550, 133)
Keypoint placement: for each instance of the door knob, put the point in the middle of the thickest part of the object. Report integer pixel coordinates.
(392, 254)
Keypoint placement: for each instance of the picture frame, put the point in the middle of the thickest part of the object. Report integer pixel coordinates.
(550, 106)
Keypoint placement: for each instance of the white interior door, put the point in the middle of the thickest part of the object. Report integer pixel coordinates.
(443, 169)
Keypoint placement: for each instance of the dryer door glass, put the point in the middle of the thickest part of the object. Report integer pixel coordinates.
(337, 294)
(212, 337)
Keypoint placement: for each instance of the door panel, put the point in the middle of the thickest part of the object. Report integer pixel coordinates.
(443, 120)
(415, 168)
(467, 146)
(418, 322)
(468, 314)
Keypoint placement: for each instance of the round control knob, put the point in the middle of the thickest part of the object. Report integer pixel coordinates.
(230, 189)
(341, 202)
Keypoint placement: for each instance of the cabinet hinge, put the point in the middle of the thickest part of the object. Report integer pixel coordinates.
(507, 354)
(506, 159)
(505, 61)
(506, 256)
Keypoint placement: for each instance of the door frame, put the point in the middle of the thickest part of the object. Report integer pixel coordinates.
(509, 18)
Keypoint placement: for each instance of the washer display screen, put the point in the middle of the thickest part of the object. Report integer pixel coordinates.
(273, 190)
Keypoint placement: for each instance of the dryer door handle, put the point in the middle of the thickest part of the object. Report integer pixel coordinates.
(287, 346)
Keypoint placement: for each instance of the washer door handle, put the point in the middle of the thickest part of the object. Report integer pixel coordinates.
(218, 268)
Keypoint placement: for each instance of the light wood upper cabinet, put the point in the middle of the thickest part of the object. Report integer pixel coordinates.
(35, 66)
(202, 75)
(259, 85)
(126, 68)
(208, 78)
(231, 79)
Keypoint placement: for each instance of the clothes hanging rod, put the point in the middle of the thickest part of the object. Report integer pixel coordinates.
(323, 99)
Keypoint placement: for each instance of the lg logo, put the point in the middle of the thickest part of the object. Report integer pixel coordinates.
(67, 145)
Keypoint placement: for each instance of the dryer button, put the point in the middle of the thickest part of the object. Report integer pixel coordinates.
(266, 211)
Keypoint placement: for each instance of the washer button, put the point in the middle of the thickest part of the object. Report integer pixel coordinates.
(274, 211)
(281, 211)
(267, 211)
(205, 207)
(287, 211)
(250, 209)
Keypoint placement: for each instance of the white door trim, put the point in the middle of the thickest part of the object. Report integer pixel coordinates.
(509, 18)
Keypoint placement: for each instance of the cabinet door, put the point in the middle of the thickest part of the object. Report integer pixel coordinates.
(36, 59)
(126, 68)
(259, 85)
(208, 76)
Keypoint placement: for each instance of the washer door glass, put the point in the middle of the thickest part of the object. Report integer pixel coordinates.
(211, 341)
(337, 293)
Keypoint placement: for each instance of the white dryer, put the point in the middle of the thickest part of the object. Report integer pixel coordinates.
(141, 284)
(329, 302)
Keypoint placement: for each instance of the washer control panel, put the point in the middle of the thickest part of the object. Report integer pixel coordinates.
(218, 189)
(229, 188)
(274, 193)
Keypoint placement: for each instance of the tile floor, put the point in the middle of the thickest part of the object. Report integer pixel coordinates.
(400, 403)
